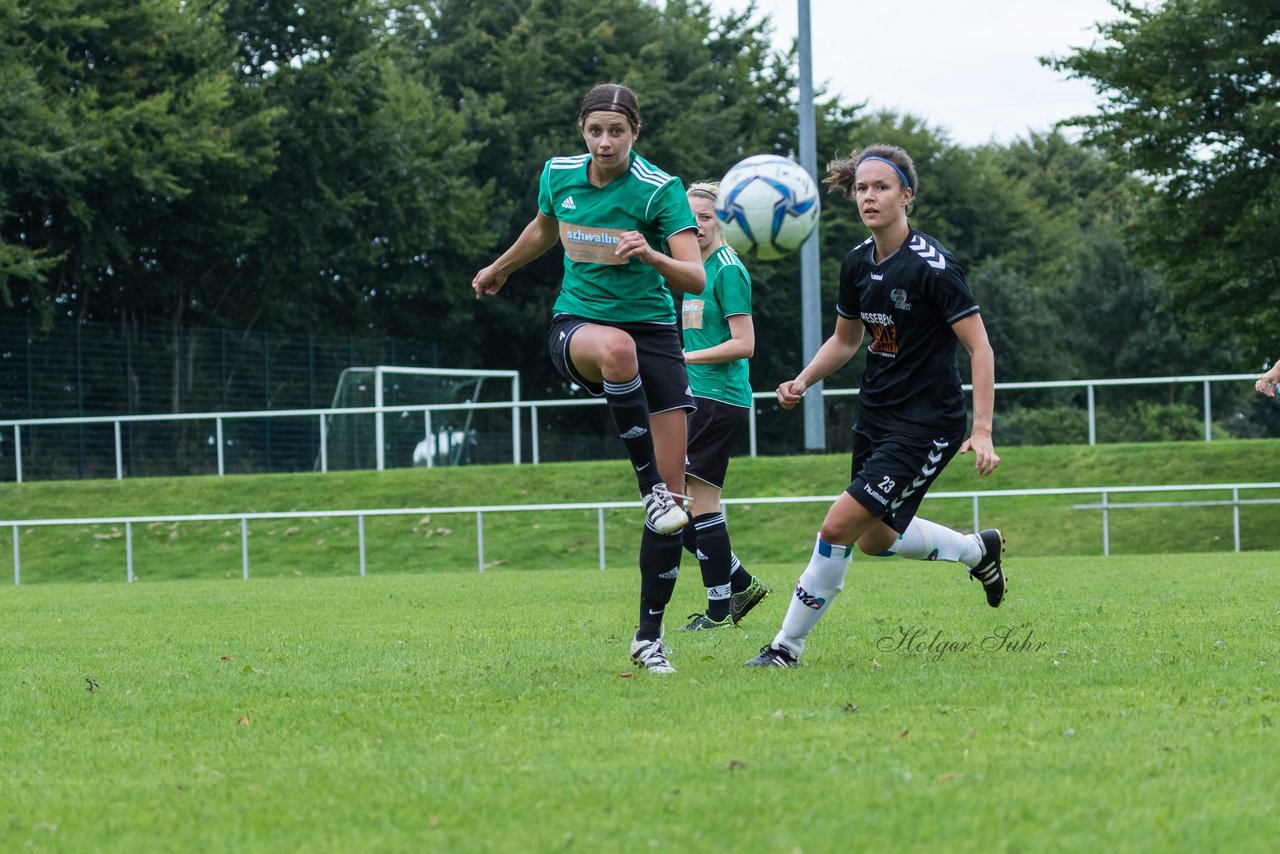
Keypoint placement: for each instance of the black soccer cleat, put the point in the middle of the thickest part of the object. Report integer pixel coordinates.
(741, 603)
(774, 655)
(701, 622)
(989, 570)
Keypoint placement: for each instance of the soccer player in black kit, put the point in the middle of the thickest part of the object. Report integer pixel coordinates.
(909, 293)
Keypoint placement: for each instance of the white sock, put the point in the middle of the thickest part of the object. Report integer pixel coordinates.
(820, 582)
(925, 540)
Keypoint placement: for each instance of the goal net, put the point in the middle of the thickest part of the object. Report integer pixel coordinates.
(421, 416)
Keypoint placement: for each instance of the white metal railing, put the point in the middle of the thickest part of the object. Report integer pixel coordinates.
(1235, 503)
(381, 411)
(1089, 386)
(15, 525)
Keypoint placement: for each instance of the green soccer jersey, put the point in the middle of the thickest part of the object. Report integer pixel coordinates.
(706, 324)
(597, 284)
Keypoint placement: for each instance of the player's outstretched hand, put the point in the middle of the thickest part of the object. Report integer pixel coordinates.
(985, 457)
(1265, 385)
(790, 393)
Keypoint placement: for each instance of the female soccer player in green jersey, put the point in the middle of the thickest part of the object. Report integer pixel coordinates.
(719, 338)
(906, 290)
(628, 236)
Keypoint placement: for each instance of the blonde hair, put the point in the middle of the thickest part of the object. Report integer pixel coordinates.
(706, 189)
(710, 190)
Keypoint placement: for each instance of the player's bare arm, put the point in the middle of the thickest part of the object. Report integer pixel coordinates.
(973, 336)
(741, 344)
(538, 236)
(834, 353)
(682, 269)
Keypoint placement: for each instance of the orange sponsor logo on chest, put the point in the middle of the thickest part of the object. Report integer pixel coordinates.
(588, 245)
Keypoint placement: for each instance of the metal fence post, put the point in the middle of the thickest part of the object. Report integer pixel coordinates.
(1208, 413)
(1106, 529)
(600, 533)
(517, 441)
(244, 547)
(1093, 421)
(379, 427)
(360, 529)
(977, 525)
(533, 432)
(17, 560)
(128, 552)
(119, 455)
(217, 435)
(751, 427)
(427, 431)
(1235, 515)
(480, 538)
(324, 444)
(17, 452)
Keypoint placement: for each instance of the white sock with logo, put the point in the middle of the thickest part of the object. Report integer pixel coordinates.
(925, 540)
(820, 582)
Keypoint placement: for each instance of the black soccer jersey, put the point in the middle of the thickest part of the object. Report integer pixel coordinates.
(907, 303)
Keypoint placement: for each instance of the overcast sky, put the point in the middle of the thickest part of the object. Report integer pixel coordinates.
(967, 66)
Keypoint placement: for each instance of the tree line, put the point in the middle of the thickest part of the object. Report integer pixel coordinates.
(343, 167)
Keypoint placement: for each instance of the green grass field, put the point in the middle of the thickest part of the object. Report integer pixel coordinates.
(1128, 704)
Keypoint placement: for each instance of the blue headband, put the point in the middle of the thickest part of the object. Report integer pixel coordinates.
(901, 175)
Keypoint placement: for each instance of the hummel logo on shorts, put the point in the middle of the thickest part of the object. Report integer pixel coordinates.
(568, 204)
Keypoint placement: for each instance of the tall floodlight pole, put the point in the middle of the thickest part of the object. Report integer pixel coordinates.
(810, 283)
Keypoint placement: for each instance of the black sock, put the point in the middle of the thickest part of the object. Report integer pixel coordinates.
(739, 578)
(659, 568)
(714, 557)
(690, 535)
(630, 411)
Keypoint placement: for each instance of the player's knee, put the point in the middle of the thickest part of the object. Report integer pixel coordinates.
(617, 355)
(836, 532)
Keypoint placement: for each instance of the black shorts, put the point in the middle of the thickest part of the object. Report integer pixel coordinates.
(713, 429)
(659, 351)
(891, 472)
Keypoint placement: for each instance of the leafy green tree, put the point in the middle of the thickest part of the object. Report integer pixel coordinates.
(373, 212)
(35, 133)
(1192, 104)
(1113, 320)
(140, 154)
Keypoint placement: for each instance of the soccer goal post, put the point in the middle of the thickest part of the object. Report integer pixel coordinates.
(423, 417)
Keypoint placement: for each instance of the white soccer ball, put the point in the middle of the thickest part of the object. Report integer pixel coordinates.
(767, 206)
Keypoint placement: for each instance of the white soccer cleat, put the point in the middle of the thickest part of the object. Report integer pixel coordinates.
(662, 512)
(651, 655)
